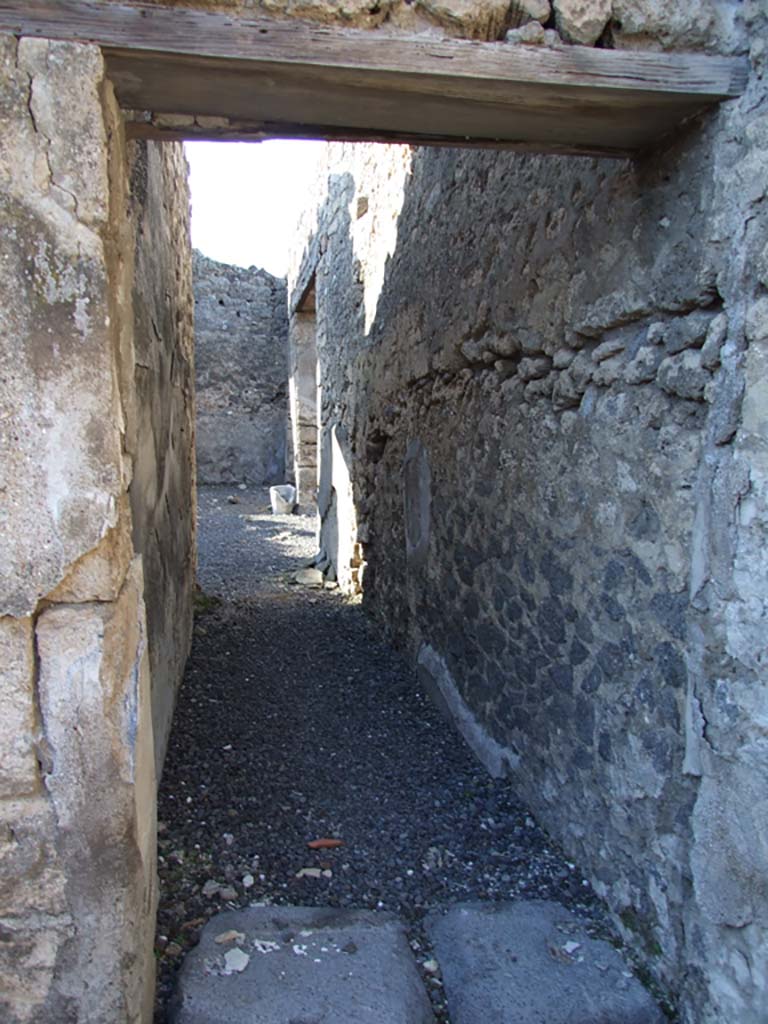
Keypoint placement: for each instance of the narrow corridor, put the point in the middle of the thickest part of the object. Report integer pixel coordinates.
(298, 722)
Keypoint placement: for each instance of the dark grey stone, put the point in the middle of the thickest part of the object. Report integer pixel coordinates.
(570, 614)
(507, 963)
(613, 609)
(559, 579)
(636, 567)
(551, 621)
(314, 965)
(670, 610)
(604, 747)
(660, 747)
(645, 523)
(584, 630)
(562, 677)
(613, 574)
(686, 332)
(611, 659)
(584, 719)
(513, 611)
(578, 653)
(491, 638)
(671, 664)
(583, 758)
(527, 570)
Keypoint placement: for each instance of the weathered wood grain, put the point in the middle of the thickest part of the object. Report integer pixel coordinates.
(321, 82)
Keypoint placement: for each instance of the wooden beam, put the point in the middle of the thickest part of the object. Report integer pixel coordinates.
(279, 77)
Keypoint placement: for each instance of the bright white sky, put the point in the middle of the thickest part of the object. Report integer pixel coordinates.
(247, 198)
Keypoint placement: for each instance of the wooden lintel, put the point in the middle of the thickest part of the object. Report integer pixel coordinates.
(238, 131)
(282, 78)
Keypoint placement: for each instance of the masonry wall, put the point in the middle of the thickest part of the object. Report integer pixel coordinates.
(646, 24)
(78, 549)
(548, 404)
(162, 430)
(241, 344)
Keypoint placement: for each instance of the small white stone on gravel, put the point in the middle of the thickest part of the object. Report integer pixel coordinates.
(235, 961)
(247, 881)
(431, 966)
(309, 577)
(266, 946)
(309, 873)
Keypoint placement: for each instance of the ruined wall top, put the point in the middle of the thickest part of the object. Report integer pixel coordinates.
(713, 25)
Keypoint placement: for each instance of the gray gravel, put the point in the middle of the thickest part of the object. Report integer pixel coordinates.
(297, 722)
(244, 550)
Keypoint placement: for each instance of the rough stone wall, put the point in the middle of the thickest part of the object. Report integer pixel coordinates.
(241, 339)
(162, 427)
(551, 405)
(646, 24)
(77, 759)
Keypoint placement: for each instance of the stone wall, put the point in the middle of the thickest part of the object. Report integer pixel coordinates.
(77, 758)
(241, 345)
(548, 407)
(162, 429)
(646, 24)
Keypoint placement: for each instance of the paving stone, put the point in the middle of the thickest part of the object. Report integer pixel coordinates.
(305, 964)
(531, 963)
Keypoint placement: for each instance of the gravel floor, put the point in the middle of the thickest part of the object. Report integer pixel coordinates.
(296, 722)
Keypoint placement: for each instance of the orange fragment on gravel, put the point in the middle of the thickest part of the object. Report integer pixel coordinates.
(325, 844)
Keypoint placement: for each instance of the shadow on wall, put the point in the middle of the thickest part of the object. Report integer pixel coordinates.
(521, 450)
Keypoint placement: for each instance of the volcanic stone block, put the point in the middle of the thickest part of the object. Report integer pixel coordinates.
(529, 963)
(279, 964)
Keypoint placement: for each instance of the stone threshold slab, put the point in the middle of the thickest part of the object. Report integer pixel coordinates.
(531, 962)
(308, 965)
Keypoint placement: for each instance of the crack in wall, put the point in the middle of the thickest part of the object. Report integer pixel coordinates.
(74, 207)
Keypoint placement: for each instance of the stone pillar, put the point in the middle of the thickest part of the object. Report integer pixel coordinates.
(304, 399)
(77, 782)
